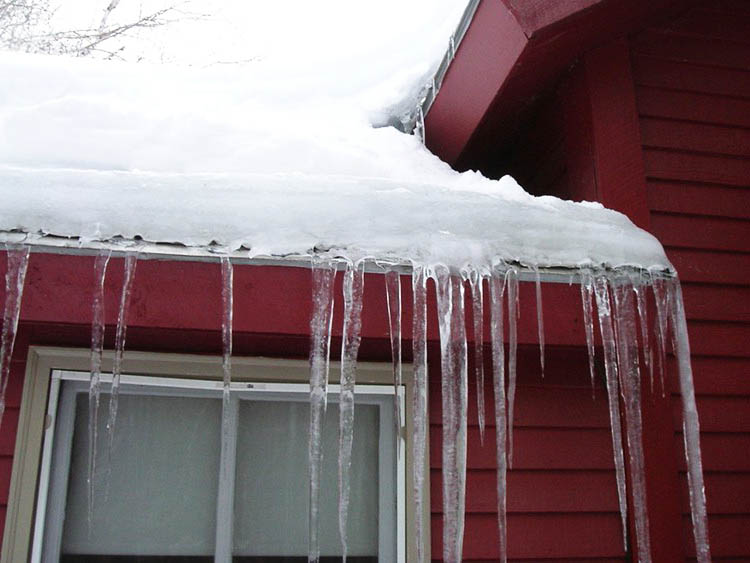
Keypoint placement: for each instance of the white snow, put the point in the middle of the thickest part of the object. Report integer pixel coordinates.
(272, 158)
(282, 158)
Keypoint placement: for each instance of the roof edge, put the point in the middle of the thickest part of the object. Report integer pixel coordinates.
(430, 91)
(71, 246)
(512, 51)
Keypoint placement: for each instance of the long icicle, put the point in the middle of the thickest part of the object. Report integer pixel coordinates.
(97, 347)
(454, 401)
(640, 296)
(690, 425)
(511, 278)
(354, 279)
(587, 292)
(224, 529)
(15, 275)
(419, 405)
(539, 317)
(131, 260)
(323, 275)
(477, 304)
(393, 297)
(630, 383)
(227, 302)
(460, 357)
(497, 289)
(604, 308)
(662, 322)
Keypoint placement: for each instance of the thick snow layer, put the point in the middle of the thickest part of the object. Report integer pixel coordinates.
(276, 163)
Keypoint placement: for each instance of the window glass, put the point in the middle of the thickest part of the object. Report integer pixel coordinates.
(271, 490)
(157, 496)
(160, 497)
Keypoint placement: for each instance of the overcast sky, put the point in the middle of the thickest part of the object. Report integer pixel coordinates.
(320, 31)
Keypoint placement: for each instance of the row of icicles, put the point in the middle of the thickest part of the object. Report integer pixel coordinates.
(620, 300)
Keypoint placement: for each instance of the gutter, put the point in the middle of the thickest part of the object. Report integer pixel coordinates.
(73, 246)
(415, 124)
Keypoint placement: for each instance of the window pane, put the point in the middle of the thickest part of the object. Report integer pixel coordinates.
(163, 483)
(137, 559)
(271, 491)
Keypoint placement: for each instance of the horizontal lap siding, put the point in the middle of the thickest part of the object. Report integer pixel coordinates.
(10, 421)
(562, 494)
(693, 94)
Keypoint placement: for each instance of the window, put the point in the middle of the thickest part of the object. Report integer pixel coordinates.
(166, 479)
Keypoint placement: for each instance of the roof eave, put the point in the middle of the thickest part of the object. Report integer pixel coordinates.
(510, 51)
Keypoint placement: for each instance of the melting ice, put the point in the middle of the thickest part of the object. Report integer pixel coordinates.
(348, 190)
(354, 282)
(324, 273)
(97, 348)
(620, 301)
(131, 260)
(357, 191)
(18, 261)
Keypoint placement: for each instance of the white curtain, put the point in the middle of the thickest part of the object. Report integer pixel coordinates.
(164, 479)
(163, 483)
(271, 491)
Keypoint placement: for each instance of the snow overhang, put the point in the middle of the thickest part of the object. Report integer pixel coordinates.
(102, 154)
(510, 52)
(295, 215)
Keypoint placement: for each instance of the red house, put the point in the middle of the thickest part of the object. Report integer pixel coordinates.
(643, 106)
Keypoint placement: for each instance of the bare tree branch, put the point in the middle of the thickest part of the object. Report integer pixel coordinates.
(105, 16)
(25, 25)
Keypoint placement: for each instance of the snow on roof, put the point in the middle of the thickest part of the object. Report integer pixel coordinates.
(273, 161)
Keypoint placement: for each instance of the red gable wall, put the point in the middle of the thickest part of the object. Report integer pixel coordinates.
(658, 126)
(692, 84)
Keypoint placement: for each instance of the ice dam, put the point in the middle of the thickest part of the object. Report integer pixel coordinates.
(321, 186)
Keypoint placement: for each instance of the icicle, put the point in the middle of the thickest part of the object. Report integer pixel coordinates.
(690, 426)
(539, 318)
(323, 275)
(610, 367)
(640, 296)
(662, 312)
(497, 288)
(97, 346)
(127, 289)
(354, 279)
(477, 302)
(454, 400)
(18, 261)
(630, 383)
(419, 405)
(393, 296)
(227, 299)
(587, 291)
(511, 278)
(421, 129)
(224, 529)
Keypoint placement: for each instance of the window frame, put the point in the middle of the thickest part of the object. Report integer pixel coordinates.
(33, 422)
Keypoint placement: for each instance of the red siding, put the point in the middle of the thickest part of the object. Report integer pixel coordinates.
(692, 81)
(562, 495)
(692, 90)
(10, 421)
(691, 85)
(175, 308)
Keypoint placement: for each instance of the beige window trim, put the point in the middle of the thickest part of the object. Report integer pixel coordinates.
(41, 361)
